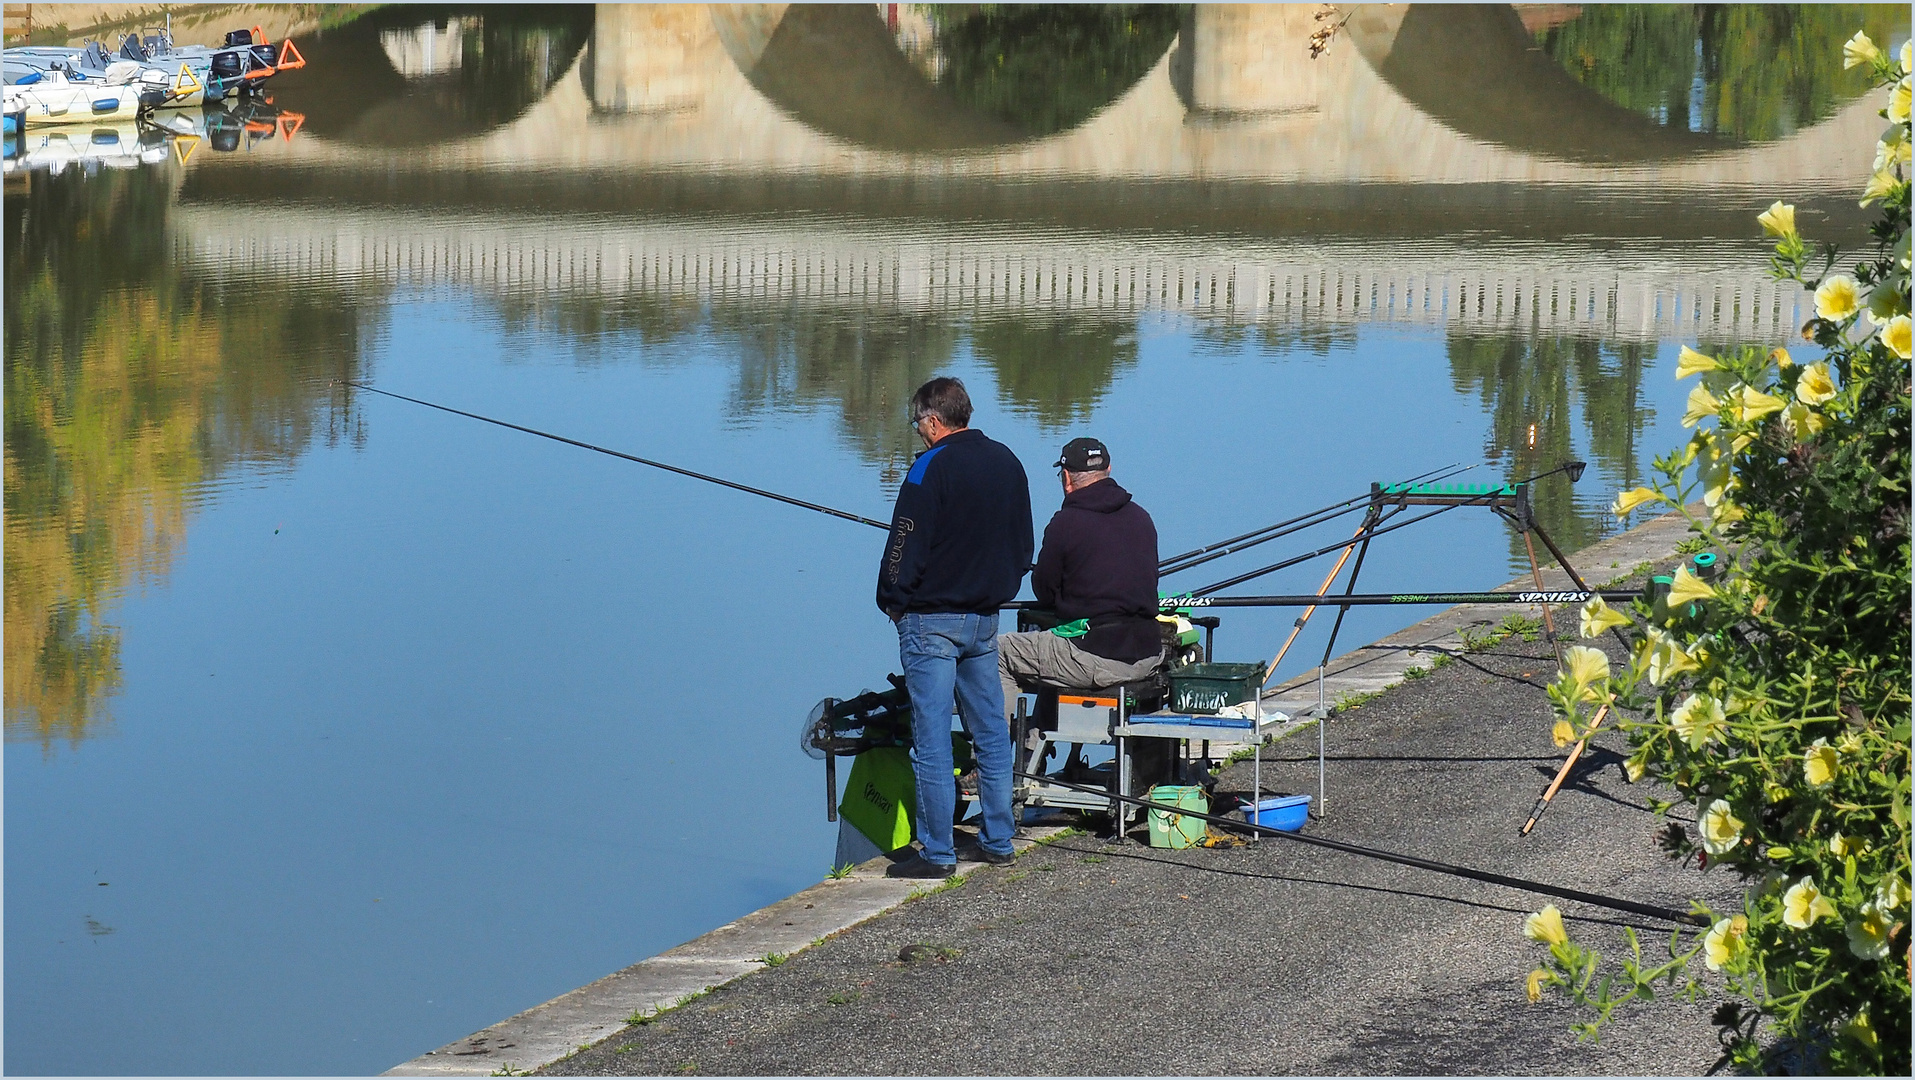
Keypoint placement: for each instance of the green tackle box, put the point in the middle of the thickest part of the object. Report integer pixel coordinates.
(1207, 688)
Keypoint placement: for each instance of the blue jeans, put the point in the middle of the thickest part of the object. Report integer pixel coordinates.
(947, 656)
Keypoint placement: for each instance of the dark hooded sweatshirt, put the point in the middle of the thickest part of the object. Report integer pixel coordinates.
(1099, 562)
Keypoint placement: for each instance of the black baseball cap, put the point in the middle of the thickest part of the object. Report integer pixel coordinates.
(1083, 455)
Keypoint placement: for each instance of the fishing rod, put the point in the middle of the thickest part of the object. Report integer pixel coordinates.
(720, 481)
(1199, 556)
(1563, 596)
(1542, 888)
(1307, 556)
(1573, 468)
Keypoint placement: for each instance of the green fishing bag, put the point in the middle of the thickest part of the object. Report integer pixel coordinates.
(881, 796)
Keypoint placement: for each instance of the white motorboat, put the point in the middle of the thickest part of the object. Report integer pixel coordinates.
(53, 97)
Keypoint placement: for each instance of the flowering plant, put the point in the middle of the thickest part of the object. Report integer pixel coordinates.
(1775, 697)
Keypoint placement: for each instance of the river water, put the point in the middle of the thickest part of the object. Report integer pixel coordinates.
(338, 728)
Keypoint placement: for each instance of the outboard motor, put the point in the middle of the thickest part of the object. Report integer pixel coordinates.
(227, 67)
(268, 55)
(236, 38)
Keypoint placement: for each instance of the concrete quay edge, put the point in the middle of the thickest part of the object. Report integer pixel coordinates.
(548, 1032)
(545, 1033)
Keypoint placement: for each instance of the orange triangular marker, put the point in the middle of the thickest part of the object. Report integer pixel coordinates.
(190, 142)
(290, 123)
(286, 50)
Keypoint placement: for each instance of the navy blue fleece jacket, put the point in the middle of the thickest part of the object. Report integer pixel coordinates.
(961, 534)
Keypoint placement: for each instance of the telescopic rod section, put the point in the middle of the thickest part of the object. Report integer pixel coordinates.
(720, 481)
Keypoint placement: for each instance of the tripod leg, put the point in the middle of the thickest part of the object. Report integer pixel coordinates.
(1549, 620)
(1549, 793)
(1558, 555)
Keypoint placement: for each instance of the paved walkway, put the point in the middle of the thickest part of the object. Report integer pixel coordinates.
(1087, 958)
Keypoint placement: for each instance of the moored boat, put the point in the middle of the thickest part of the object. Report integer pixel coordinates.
(52, 97)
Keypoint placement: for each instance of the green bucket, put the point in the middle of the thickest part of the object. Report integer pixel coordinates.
(1208, 688)
(1169, 829)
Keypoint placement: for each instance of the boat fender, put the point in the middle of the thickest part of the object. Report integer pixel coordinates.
(105, 104)
(28, 79)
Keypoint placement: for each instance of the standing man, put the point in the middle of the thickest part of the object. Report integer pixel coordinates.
(960, 544)
(1098, 571)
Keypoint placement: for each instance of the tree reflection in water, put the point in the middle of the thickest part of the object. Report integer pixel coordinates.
(1045, 68)
(1748, 71)
(129, 387)
(1533, 387)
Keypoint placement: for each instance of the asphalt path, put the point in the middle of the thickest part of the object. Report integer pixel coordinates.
(1088, 958)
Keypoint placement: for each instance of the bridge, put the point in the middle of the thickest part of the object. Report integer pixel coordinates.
(741, 153)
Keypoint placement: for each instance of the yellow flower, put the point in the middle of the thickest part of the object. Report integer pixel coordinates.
(1804, 903)
(1906, 64)
(1837, 297)
(1892, 893)
(1563, 733)
(1859, 1028)
(1880, 183)
(1859, 50)
(1721, 830)
(1629, 500)
(1666, 658)
(1781, 357)
(1849, 744)
(1803, 421)
(1699, 719)
(1844, 846)
(1898, 102)
(1533, 986)
(1546, 926)
(1778, 220)
(1891, 149)
(1633, 769)
(1896, 336)
(1702, 405)
(1598, 616)
(1688, 588)
(1723, 945)
(1691, 361)
(1815, 386)
(1756, 404)
(1868, 935)
(1585, 666)
(1819, 763)
(1716, 476)
(1725, 512)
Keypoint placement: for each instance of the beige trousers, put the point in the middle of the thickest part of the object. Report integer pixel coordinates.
(1041, 658)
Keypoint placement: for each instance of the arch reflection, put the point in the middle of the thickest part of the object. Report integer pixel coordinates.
(419, 76)
(949, 78)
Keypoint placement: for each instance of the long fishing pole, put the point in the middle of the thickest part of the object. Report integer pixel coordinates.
(1542, 888)
(1562, 596)
(1199, 556)
(720, 481)
(1307, 556)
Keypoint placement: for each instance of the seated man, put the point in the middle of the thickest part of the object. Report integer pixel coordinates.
(1098, 570)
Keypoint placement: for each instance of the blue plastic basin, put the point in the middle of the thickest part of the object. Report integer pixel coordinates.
(1287, 813)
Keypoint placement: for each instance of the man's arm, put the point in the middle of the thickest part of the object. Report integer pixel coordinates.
(1049, 572)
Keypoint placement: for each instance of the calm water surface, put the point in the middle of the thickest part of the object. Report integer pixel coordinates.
(339, 728)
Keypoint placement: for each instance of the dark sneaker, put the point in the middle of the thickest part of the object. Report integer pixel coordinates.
(917, 866)
(974, 853)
